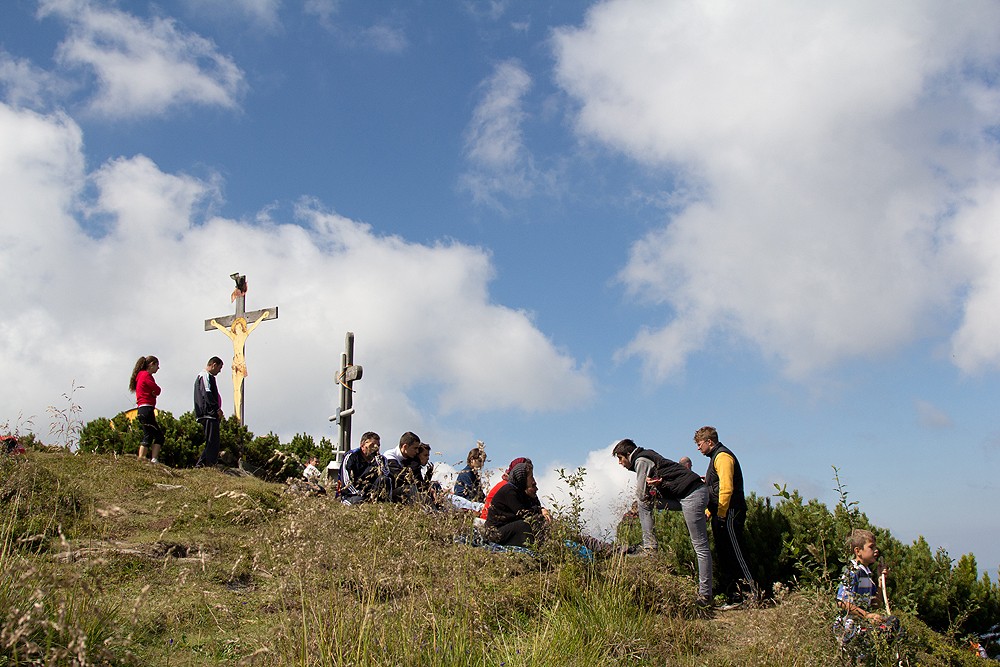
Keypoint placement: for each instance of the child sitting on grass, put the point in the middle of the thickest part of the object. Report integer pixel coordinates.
(858, 596)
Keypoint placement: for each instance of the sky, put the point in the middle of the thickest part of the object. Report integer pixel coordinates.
(549, 224)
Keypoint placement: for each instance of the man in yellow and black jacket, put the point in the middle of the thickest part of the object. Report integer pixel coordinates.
(727, 508)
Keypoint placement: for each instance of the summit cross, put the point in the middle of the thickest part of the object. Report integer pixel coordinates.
(237, 326)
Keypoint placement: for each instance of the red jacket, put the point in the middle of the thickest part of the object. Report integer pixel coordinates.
(146, 390)
(489, 499)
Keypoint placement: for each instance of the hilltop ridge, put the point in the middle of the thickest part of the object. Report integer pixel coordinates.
(107, 560)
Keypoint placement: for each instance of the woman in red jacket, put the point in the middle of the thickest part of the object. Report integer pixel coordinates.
(144, 387)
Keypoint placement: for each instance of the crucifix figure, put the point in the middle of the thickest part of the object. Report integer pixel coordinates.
(235, 326)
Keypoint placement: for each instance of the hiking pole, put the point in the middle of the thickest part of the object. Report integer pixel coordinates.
(885, 595)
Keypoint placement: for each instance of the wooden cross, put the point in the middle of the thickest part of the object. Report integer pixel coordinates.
(238, 327)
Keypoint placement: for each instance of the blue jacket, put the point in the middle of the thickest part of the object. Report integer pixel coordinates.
(469, 485)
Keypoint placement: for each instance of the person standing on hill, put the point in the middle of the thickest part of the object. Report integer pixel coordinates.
(727, 507)
(663, 483)
(208, 410)
(145, 389)
(861, 624)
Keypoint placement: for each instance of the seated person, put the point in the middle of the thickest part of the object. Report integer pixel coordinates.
(404, 467)
(858, 596)
(364, 475)
(425, 470)
(499, 485)
(311, 476)
(469, 484)
(514, 515)
(312, 473)
(426, 489)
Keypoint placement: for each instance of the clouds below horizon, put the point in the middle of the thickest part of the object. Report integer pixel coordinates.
(845, 160)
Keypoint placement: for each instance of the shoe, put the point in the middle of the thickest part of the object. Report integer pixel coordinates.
(704, 603)
(153, 461)
(640, 551)
(729, 606)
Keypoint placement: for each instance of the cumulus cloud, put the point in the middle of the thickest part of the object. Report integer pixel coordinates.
(836, 148)
(975, 346)
(606, 490)
(25, 84)
(142, 67)
(499, 162)
(127, 260)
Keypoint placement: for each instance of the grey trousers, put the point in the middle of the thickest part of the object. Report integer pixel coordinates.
(693, 506)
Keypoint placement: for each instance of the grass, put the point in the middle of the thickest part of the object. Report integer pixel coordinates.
(108, 560)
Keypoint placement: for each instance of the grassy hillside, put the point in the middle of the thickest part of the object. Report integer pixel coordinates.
(110, 561)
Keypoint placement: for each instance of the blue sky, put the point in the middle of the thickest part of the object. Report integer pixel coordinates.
(549, 224)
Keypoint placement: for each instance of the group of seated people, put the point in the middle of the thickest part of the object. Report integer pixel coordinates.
(400, 475)
(510, 514)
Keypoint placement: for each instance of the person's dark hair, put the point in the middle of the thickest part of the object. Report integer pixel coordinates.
(369, 435)
(409, 438)
(214, 361)
(858, 538)
(623, 448)
(475, 454)
(141, 364)
(707, 433)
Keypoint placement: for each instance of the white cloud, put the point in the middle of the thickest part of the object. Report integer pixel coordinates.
(834, 146)
(975, 347)
(85, 295)
(143, 67)
(500, 164)
(607, 490)
(26, 85)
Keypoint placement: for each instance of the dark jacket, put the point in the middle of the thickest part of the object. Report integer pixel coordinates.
(469, 485)
(359, 477)
(510, 504)
(712, 482)
(676, 481)
(406, 477)
(206, 401)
